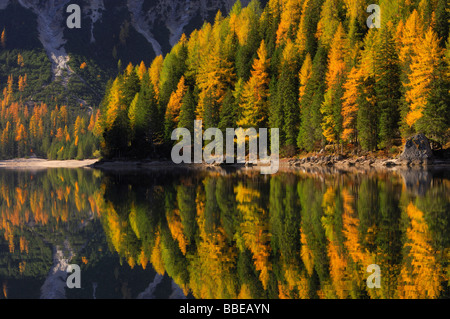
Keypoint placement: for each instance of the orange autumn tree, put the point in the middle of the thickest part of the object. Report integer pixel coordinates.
(141, 70)
(3, 38)
(22, 82)
(172, 116)
(350, 106)
(305, 75)
(290, 13)
(155, 72)
(421, 277)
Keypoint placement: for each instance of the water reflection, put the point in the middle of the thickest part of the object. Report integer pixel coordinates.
(218, 234)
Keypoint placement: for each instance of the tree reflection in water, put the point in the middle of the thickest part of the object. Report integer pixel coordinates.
(236, 234)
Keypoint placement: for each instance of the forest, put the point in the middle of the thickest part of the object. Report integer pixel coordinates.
(313, 69)
(34, 124)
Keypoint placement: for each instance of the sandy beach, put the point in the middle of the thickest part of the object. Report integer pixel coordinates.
(36, 163)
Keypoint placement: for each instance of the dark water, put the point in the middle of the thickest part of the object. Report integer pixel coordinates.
(219, 234)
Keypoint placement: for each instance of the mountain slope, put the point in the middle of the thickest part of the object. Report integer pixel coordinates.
(112, 31)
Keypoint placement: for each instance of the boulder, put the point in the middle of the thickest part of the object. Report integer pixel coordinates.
(417, 148)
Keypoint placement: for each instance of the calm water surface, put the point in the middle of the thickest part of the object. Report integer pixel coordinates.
(223, 234)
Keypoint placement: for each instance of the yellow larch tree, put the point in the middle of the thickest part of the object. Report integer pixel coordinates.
(421, 278)
(407, 36)
(20, 61)
(350, 105)
(155, 72)
(335, 77)
(329, 21)
(256, 91)
(305, 75)
(290, 14)
(141, 70)
(424, 67)
(175, 102)
(114, 104)
(214, 77)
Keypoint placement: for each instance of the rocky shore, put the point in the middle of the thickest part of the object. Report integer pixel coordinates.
(416, 153)
(341, 162)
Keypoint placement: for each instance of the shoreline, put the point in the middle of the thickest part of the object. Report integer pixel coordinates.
(285, 164)
(362, 163)
(37, 163)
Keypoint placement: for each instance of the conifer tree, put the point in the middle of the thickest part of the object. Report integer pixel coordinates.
(247, 31)
(387, 87)
(442, 17)
(331, 16)
(288, 94)
(310, 135)
(367, 120)
(228, 114)
(306, 41)
(187, 112)
(289, 19)
(310, 68)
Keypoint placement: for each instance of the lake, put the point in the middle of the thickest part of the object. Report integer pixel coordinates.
(218, 233)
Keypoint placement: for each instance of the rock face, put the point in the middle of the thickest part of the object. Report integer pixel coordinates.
(160, 22)
(157, 20)
(417, 148)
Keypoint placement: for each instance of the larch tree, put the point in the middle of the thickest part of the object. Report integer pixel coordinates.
(3, 38)
(116, 122)
(331, 15)
(290, 14)
(172, 116)
(335, 78)
(305, 75)
(427, 90)
(350, 106)
(306, 41)
(254, 99)
(215, 75)
(155, 71)
(141, 70)
(406, 38)
(148, 127)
